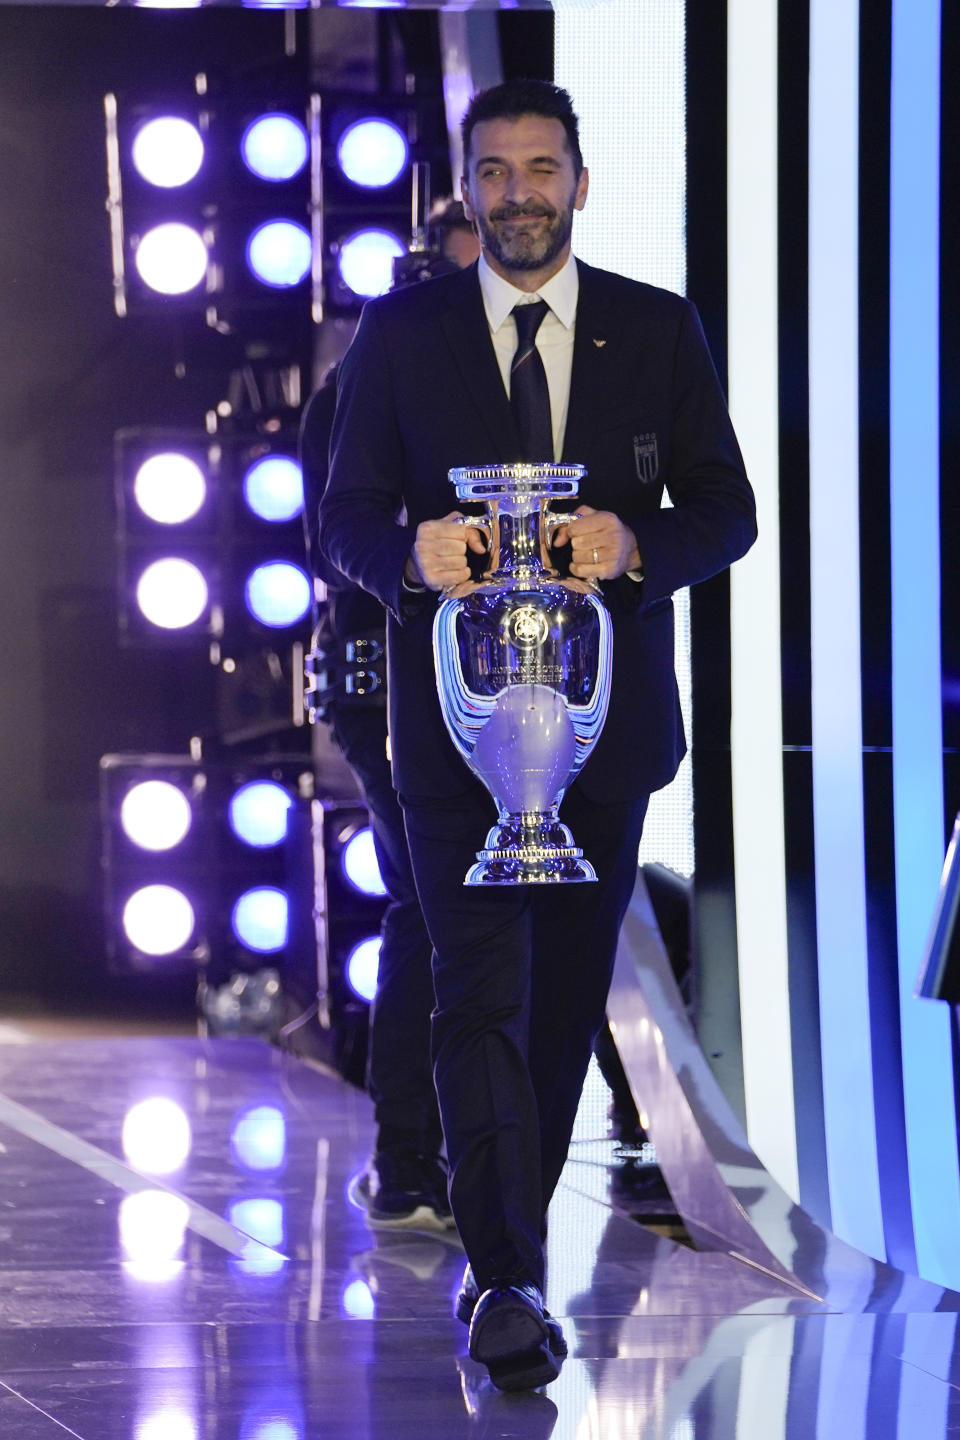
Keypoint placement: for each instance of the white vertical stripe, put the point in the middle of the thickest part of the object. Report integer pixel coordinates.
(835, 626)
(928, 1079)
(763, 1400)
(623, 63)
(757, 726)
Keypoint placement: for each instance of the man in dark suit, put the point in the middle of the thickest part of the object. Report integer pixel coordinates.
(521, 973)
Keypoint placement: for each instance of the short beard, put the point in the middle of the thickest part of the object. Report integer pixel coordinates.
(524, 253)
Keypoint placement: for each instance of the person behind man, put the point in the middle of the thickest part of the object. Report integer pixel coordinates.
(404, 1186)
(616, 376)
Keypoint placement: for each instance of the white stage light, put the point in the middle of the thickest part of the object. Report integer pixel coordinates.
(158, 919)
(155, 815)
(279, 253)
(169, 488)
(258, 813)
(172, 593)
(172, 258)
(260, 919)
(363, 967)
(168, 151)
(359, 862)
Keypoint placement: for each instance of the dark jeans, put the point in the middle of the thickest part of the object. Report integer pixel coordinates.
(399, 1073)
(521, 977)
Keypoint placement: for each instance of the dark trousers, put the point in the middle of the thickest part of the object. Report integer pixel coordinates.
(521, 975)
(399, 1072)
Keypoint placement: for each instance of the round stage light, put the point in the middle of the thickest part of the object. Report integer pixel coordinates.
(169, 488)
(172, 593)
(258, 813)
(168, 151)
(278, 593)
(358, 860)
(366, 261)
(372, 153)
(158, 919)
(273, 488)
(172, 258)
(279, 253)
(260, 919)
(155, 815)
(274, 147)
(363, 965)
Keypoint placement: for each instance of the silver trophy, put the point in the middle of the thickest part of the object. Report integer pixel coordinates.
(523, 671)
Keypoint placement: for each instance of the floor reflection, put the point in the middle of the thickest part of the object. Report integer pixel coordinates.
(207, 1279)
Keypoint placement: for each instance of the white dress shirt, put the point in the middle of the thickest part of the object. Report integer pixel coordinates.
(554, 339)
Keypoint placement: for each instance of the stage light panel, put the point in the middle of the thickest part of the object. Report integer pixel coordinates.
(260, 919)
(158, 920)
(168, 151)
(365, 261)
(258, 813)
(278, 593)
(279, 254)
(358, 860)
(172, 258)
(172, 593)
(363, 964)
(170, 488)
(273, 488)
(156, 815)
(373, 153)
(275, 147)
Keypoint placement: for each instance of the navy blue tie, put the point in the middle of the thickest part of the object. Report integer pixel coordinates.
(529, 395)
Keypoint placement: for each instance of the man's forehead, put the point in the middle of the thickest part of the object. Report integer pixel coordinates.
(530, 133)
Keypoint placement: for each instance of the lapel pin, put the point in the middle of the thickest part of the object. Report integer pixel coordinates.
(599, 343)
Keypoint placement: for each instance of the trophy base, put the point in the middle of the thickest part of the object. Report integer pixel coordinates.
(525, 854)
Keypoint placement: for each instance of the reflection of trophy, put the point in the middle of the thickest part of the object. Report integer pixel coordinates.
(523, 670)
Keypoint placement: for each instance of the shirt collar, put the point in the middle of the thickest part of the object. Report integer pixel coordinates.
(499, 296)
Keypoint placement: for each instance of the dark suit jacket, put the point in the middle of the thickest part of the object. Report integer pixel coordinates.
(420, 392)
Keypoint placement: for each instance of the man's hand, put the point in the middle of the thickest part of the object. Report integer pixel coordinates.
(602, 546)
(439, 555)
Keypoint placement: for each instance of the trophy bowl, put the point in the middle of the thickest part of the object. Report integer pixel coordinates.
(523, 663)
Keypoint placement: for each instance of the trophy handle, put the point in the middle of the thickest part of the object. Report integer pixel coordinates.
(549, 521)
(490, 530)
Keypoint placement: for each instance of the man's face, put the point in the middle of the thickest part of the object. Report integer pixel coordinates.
(521, 190)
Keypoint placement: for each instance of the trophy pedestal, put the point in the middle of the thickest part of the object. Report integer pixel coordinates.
(530, 850)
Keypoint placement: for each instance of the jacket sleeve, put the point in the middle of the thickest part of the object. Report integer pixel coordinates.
(712, 520)
(362, 525)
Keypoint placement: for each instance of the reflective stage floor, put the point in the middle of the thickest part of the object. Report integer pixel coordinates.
(179, 1261)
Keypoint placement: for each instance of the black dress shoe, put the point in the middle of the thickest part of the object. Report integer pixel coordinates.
(509, 1334)
(466, 1303)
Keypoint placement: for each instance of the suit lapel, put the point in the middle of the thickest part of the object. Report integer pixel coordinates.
(592, 377)
(464, 324)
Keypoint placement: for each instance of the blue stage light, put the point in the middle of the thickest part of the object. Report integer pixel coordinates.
(366, 261)
(258, 813)
(278, 594)
(260, 919)
(363, 965)
(279, 253)
(172, 593)
(168, 151)
(169, 488)
(274, 147)
(171, 258)
(273, 488)
(358, 860)
(372, 153)
(155, 815)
